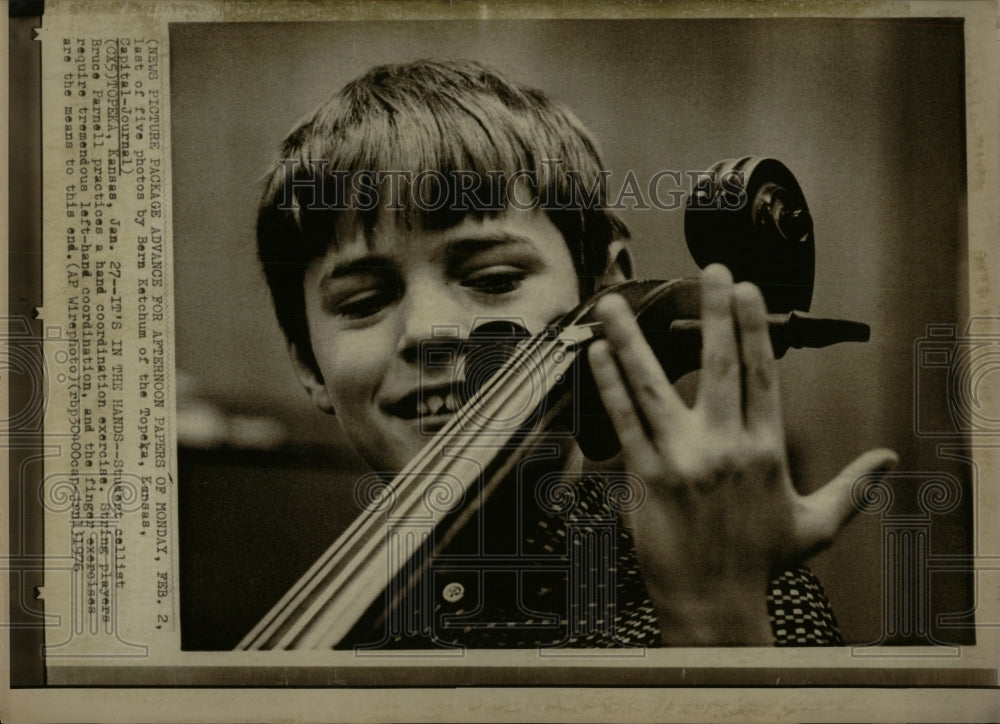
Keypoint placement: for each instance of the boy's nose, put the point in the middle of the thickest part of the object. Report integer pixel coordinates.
(433, 324)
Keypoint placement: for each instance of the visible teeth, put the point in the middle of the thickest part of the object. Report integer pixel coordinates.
(422, 407)
(450, 403)
(434, 403)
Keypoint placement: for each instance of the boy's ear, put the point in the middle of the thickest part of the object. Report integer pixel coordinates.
(310, 380)
(619, 268)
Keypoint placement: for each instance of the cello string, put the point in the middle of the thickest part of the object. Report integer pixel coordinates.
(361, 532)
(371, 538)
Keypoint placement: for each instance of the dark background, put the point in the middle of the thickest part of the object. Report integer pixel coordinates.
(868, 114)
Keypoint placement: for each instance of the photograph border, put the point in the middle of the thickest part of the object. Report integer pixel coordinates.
(370, 693)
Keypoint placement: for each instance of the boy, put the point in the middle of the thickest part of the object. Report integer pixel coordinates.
(434, 194)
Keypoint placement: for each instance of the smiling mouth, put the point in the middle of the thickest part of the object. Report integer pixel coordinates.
(428, 403)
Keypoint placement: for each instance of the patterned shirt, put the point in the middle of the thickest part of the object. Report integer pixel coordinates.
(564, 575)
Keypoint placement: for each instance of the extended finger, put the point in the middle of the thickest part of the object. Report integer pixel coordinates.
(616, 398)
(719, 385)
(656, 399)
(822, 514)
(763, 401)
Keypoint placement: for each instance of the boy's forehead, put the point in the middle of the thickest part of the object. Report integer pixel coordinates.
(357, 236)
(406, 203)
(393, 235)
(389, 224)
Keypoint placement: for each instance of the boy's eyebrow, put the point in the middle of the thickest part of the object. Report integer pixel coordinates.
(456, 251)
(368, 264)
(467, 246)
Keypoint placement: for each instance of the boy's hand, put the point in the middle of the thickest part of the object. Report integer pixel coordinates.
(720, 512)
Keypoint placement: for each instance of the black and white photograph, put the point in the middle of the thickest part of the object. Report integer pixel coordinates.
(500, 362)
(321, 212)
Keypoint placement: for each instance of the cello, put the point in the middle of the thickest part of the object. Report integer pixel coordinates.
(748, 214)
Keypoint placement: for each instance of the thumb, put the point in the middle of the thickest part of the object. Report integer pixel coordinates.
(823, 513)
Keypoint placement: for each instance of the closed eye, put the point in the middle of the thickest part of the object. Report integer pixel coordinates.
(364, 304)
(495, 279)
